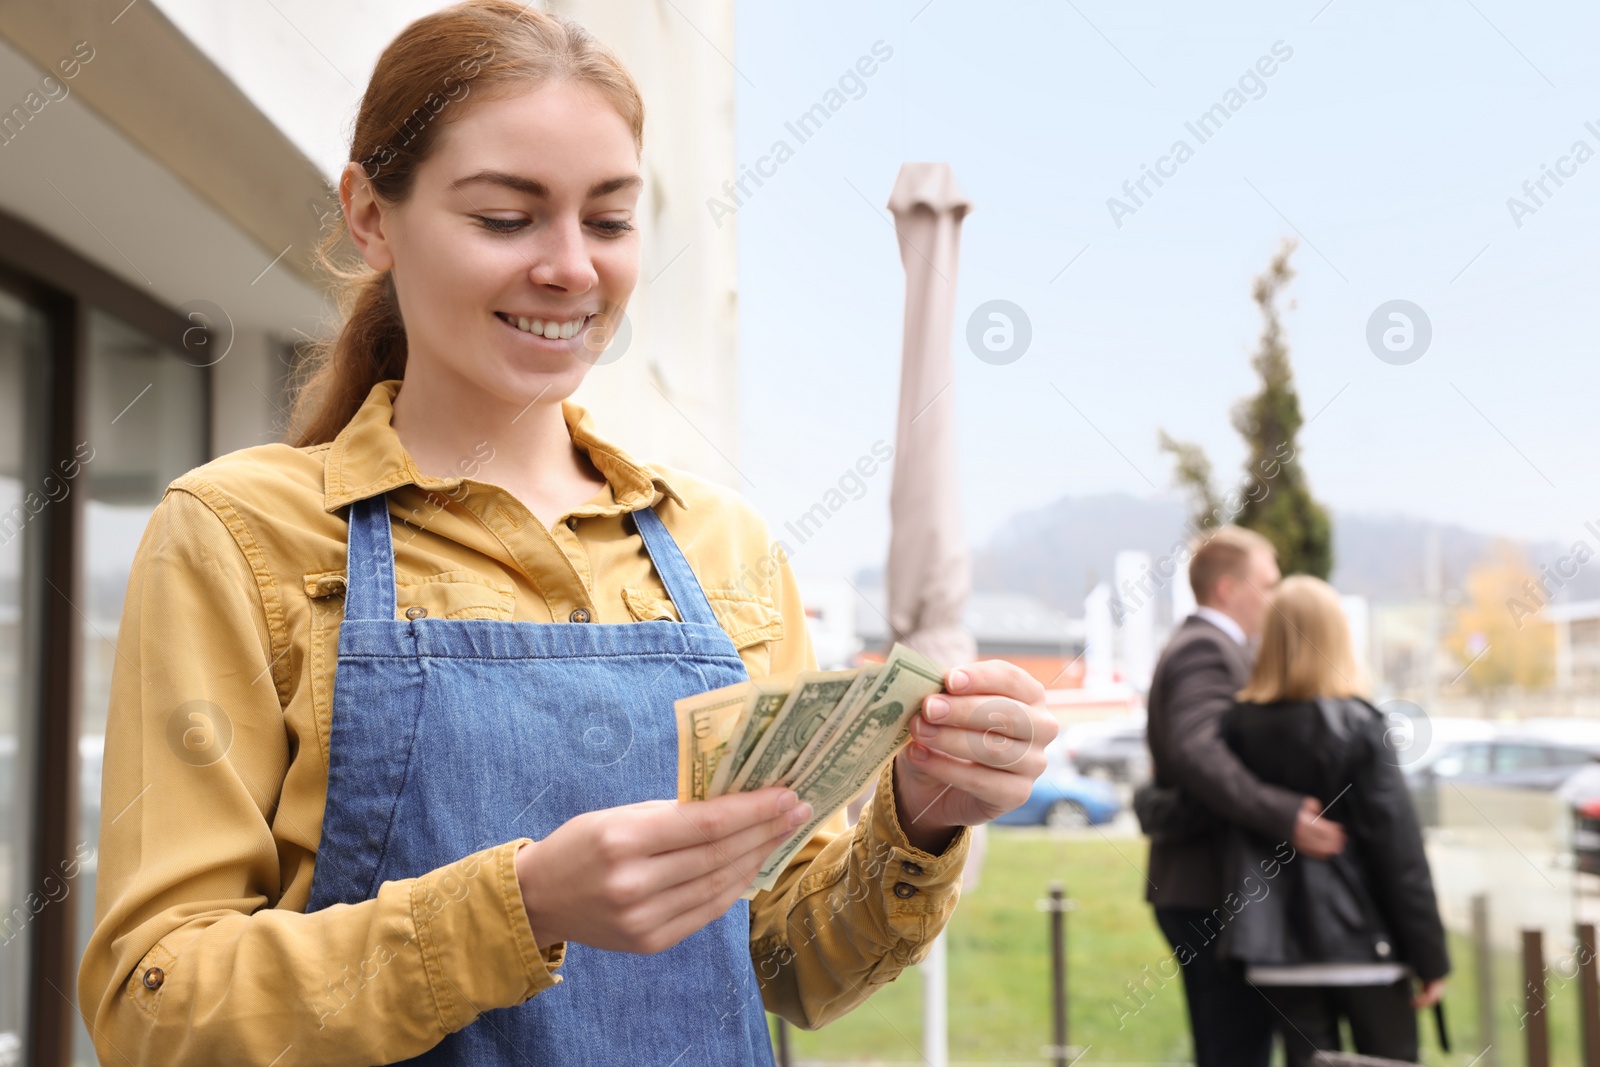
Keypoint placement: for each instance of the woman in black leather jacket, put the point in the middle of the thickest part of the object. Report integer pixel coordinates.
(1345, 937)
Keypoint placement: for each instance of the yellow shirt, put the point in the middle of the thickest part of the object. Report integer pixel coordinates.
(202, 952)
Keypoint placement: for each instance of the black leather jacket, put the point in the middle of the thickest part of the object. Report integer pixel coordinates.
(1374, 902)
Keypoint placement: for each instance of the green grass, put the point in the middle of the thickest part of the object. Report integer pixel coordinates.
(999, 974)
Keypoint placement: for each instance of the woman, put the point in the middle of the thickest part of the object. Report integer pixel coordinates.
(1342, 938)
(392, 746)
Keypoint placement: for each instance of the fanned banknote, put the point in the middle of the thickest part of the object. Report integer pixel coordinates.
(825, 734)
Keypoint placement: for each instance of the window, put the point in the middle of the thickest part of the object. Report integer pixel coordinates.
(98, 412)
(1472, 758)
(23, 349)
(145, 423)
(1512, 758)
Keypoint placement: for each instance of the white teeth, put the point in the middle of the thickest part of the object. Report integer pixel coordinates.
(550, 330)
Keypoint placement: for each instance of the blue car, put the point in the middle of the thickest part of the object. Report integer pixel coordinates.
(1063, 799)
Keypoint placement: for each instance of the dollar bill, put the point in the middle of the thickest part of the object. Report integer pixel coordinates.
(707, 723)
(763, 700)
(848, 705)
(858, 750)
(815, 695)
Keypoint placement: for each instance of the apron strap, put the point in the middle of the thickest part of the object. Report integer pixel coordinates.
(369, 591)
(676, 574)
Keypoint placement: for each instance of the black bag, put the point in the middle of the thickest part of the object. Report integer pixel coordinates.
(1168, 813)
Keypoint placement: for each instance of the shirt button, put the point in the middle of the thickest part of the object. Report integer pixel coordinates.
(578, 615)
(416, 613)
(904, 890)
(153, 977)
(572, 522)
(910, 867)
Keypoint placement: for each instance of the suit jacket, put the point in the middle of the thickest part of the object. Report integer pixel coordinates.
(1194, 683)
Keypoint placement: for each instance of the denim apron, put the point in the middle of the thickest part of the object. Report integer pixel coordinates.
(454, 735)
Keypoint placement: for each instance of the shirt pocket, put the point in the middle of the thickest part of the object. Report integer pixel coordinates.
(752, 623)
(459, 594)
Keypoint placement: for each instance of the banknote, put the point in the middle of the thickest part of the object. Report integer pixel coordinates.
(816, 693)
(858, 751)
(825, 734)
(706, 724)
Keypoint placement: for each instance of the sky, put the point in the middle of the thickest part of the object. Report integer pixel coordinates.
(1387, 141)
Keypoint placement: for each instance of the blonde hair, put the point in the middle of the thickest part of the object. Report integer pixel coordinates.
(1305, 646)
(481, 49)
(1225, 550)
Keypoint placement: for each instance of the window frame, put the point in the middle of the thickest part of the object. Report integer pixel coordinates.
(65, 287)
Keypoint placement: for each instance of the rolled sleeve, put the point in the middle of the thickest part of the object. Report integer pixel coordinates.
(476, 943)
(853, 914)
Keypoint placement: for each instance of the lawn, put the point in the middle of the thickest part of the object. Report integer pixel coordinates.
(999, 974)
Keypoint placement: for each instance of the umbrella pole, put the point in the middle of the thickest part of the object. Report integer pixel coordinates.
(935, 1007)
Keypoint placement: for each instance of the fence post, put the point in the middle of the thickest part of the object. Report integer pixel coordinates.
(1590, 991)
(1483, 954)
(1057, 905)
(784, 1059)
(1536, 1025)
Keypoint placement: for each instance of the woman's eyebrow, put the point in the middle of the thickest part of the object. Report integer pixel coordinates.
(535, 188)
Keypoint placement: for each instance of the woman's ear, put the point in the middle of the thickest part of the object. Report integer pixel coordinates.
(364, 217)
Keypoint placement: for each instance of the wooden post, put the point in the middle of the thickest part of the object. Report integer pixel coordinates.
(1589, 989)
(785, 1057)
(1058, 969)
(1483, 954)
(1058, 1051)
(1536, 1026)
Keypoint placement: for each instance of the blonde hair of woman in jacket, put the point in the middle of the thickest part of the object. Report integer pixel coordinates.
(1343, 938)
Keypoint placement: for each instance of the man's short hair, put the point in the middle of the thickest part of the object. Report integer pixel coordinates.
(1225, 550)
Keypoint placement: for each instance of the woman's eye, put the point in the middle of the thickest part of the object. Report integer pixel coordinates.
(500, 225)
(613, 227)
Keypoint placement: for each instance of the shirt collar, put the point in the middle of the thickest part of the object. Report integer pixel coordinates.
(1222, 621)
(367, 458)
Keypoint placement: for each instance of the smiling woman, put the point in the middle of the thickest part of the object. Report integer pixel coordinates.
(436, 771)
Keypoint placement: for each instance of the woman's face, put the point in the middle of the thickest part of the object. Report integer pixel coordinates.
(523, 217)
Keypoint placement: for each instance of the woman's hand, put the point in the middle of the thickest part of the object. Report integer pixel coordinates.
(975, 751)
(1430, 994)
(642, 877)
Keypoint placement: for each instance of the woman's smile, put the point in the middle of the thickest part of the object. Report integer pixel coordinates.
(549, 334)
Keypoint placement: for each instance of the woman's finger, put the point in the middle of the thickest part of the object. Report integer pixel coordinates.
(666, 826)
(695, 861)
(684, 908)
(993, 747)
(996, 677)
(1000, 788)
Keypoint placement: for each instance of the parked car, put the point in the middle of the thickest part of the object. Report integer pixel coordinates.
(1113, 750)
(1063, 799)
(1507, 761)
(1582, 791)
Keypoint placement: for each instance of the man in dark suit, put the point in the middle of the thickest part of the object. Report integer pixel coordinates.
(1207, 661)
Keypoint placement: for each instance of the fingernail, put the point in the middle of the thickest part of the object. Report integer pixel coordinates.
(935, 708)
(787, 799)
(958, 680)
(800, 815)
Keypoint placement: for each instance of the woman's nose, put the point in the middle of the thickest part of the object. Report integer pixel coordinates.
(564, 261)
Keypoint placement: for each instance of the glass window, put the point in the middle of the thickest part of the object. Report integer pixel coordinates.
(1509, 758)
(146, 425)
(23, 351)
(1464, 759)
